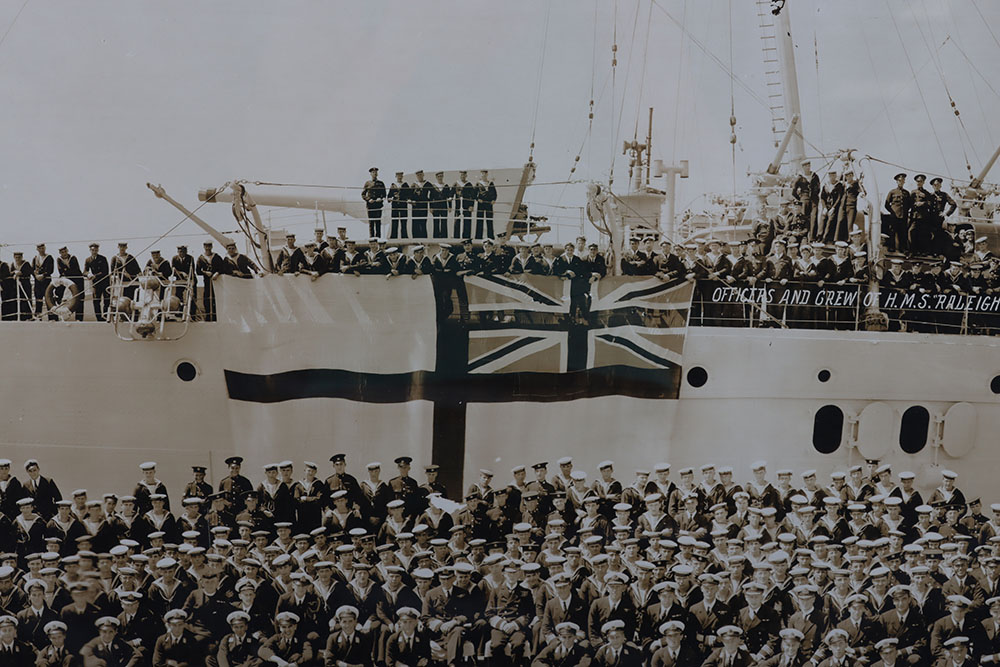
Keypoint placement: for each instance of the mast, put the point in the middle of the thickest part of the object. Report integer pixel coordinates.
(790, 83)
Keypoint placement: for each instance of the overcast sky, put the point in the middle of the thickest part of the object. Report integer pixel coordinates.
(100, 97)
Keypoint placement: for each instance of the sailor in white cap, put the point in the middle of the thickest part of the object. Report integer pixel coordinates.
(947, 493)
(957, 651)
(239, 646)
(669, 650)
(565, 650)
(733, 651)
(563, 480)
(147, 486)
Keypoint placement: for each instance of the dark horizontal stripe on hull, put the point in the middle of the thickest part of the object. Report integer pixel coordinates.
(434, 386)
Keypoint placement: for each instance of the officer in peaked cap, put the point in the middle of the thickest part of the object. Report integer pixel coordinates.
(406, 488)
(432, 485)
(198, 488)
(235, 485)
(896, 215)
(341, 479)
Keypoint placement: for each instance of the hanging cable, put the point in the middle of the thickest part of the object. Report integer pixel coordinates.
(920, 90)
(944, 82)
(986, 23)
(972, 81)
(732, 100)
(680, 76)
(885, 108)
(819, 87)
(614, 82)
(538, 91)
(642, 73)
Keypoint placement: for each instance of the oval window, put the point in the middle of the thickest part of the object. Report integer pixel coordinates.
(913, 429)
(828, 429)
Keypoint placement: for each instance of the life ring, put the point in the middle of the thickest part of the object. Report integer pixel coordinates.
(69, 301)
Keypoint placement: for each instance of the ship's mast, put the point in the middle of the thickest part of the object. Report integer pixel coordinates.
(790, 83)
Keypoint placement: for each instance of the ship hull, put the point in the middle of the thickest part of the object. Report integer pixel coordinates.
(91, 407)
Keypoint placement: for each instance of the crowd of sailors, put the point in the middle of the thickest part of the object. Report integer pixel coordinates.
(300, 567)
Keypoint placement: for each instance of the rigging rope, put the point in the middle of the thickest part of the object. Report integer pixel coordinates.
(614, 82)
(732, 101)
(621, 110)
(538, 91)
(680, 76)
(642, 73)
(923, 101)
(985, 22)
(13, 21)
(885, 106)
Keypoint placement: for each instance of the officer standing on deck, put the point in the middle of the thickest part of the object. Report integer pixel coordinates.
(944, 206)
(399, 202)
(96, 268)
(897, 214)
(922, 218)
(374, 194)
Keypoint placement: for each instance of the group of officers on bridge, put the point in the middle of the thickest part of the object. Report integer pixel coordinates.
(304, 568)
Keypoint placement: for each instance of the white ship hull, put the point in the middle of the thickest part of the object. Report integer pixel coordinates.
(91, 407)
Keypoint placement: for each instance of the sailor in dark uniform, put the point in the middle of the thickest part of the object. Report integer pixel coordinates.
(419, 264)
(235, 485)
(420, 196)
(289, 257)
(43, 489)
(208, 266)
(521, 261)
(182, 265)
(570, 267)
(69, 268)
(465, 201)
(486, 194)
(446, 267)
(399, 203)
(42, 267)
(20, 288)
(374, 194)
(896, 217)
(238, 264)
(159, 267)
(440, 195)
(198, 488)
(147, 486)
(125, 268)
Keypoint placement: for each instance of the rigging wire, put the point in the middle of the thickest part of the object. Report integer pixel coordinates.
(642, 73)
(972, 81)
(819, 87)
(985, 22)
(680, 76)
(885, 106)
(732, 101)
(920, 90)
(944, 82)
(616, 137)
(10, 26)
(538, 91)
(614, 83)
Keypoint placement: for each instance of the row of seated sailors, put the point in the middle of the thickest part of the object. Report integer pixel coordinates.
(760, 594)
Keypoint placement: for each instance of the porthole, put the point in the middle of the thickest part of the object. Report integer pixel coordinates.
(823, 375)
(186, 371)
(995, 384)
(913, 429)
(828, 429)
(697, 376)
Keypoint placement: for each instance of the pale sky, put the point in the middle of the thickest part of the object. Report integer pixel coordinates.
(100, 97)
